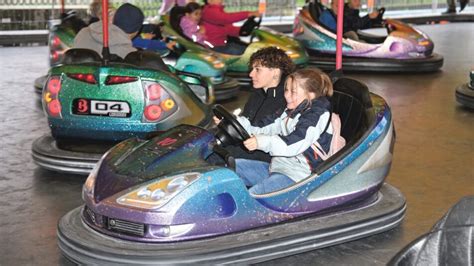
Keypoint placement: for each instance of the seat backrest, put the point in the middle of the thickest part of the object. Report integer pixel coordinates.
(146, 59)
(80, 55)
(176, 13)
(351, 100)
(315, 9)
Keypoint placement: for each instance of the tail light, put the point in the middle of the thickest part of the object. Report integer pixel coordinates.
(88, 78)
(158, 102)
(50, 96)
(55, 42)
(57, 50)
(111, 80)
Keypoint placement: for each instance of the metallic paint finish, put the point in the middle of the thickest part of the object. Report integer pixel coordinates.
(404, 42)
(189, 110)
(239, 63)
(218, 202)
(197, 63)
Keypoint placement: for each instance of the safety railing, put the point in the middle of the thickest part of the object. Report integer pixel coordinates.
(35, 14)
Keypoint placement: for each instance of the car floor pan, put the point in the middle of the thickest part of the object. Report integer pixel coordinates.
(382, 212)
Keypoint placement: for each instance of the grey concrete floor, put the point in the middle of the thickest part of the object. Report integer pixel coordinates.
(432, 164)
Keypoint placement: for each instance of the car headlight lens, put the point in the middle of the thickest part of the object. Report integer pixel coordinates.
(292, 54)
(216, 62)
(156, 194)
(89, 185)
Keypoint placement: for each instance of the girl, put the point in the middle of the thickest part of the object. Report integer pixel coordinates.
(289, 137)
(190, 23)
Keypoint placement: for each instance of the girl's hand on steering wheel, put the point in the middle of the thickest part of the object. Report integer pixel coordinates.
(251, 143)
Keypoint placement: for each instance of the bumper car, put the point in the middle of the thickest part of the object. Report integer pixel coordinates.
(91, 105)
(404, 49)
(237, 65)
(465, 93)
(160, 201)
(449, 242)
(61, 38)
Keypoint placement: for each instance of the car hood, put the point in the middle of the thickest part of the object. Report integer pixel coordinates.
(135, 161)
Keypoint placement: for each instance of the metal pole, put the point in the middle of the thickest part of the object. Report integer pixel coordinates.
(340, 21)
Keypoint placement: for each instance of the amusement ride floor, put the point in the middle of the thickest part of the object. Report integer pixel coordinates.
(433, 164)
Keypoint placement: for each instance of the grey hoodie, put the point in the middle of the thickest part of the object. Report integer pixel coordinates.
(91, 38)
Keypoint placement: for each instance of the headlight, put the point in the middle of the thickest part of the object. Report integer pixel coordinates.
(292, 54)
(89, 185)
(156, 194)
(216, 62)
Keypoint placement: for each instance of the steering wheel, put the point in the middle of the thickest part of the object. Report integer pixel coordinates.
(379, 21)
(252, 36)
(249, 26)
(230, 130)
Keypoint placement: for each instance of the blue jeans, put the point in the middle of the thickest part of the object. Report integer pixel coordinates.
(257, 175)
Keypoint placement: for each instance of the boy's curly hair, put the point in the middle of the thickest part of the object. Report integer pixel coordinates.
(273, 57)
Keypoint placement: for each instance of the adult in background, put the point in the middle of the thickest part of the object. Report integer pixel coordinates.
(352, 20)
(218, 25)
(452, 6)
(127, 22)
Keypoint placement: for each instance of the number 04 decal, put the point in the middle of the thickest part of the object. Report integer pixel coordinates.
(101, 108)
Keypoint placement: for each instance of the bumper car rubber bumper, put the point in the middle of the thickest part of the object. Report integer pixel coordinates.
(227, 89)
(465, 95)
(39, 84)
(46, 154)
(382, 212)
(363, 64)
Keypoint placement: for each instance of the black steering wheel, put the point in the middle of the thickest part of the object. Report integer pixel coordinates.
(250, 25)
(230, 130)
(379, 21)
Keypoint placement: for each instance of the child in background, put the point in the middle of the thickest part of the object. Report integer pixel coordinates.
(190, 23)
(288, 138)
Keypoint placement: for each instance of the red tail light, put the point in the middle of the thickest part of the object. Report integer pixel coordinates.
(88, 78)
(159, 104)
(55, 42)
(50, 96)
(54, 85)
(153, 91)
(111, 80)
(54, 107)
(54, 56)
(152, 112)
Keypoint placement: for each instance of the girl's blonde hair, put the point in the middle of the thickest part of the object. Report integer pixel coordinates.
(311, 80)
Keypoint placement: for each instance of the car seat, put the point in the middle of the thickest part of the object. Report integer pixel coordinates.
(176, 13)
(146, 59)
(80, 55)
(315, 8)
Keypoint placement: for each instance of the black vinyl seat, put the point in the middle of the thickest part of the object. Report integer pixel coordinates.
(315, 9)
(146, 59)
(351, 100)
(80, 55)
